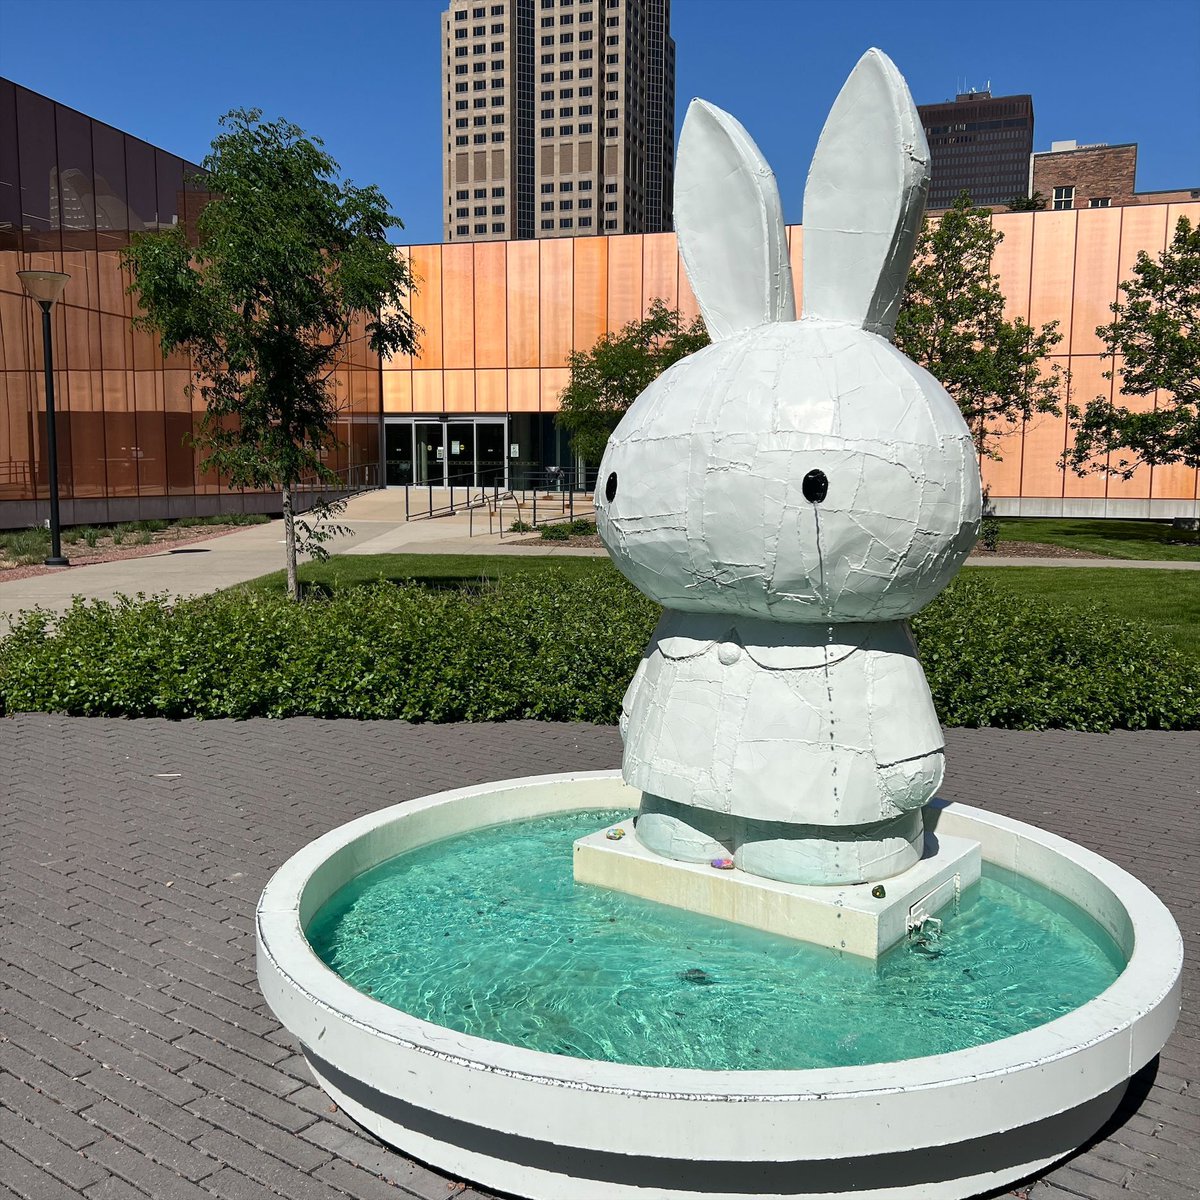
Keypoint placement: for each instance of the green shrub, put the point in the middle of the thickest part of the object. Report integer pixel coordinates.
(555, 533)
(546, 647)
(26, 546)
(90, 536)
(995, 659)
(520, 527)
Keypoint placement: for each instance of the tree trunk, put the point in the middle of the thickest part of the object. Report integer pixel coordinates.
(289, 537)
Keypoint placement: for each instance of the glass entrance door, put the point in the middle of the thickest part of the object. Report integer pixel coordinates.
(398, 453)
(490, 451)
(460, 453)
(473, 453)
(430, 457)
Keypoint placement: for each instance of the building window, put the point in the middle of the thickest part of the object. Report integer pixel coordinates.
(497, 10)
(585, 185)
(481, 210)
(460, 52)
(584, 202)
(610, 188)
(481, 229)
(497, 226)
(461, 140)
(566, 205)
(480, 139)
(567, 110)
(547, 39)
(498, 135)
(548, 224)
(566, 131)
(479, 120)
(497, 118)
(585, 72)
(547, 59)
(462, 230)
(547, 114)
(461, 212)
(547, 187)
(461, 16)
(610, 206)
(585, 222)
(1064, 197)
(585, 127)
(610, 224)
(497, 210)
(548, 131)
(1099, 202)
(547, 206)
(497, 47)
(461, 194)
(497, 192)
(566, 223)
(461, 70)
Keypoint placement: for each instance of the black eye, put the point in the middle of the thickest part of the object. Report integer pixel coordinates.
(610, 487)
(815, 487)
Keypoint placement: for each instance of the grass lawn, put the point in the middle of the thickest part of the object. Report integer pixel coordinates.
(437, 570)
(1165, 601)
(1110, 539)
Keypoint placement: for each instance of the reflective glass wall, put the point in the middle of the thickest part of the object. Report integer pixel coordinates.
(72, 191)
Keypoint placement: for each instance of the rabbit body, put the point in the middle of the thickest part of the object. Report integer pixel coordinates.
(791, 494)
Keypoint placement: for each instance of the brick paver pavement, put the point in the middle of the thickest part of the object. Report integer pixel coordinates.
(137, 1057)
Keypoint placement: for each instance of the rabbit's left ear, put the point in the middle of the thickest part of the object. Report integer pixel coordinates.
(864, 199)
(730, 225)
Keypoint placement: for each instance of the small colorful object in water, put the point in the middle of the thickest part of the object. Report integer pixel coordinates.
(723, 864)
(615, 834)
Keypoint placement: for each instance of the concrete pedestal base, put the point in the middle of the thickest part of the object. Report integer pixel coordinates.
(842, 918)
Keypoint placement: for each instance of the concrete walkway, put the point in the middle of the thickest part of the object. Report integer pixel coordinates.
(375, 521)
(377, 526)
(138, 1059)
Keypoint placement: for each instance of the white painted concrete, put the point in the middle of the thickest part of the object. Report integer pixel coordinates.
(841, 918)
(548, 1127)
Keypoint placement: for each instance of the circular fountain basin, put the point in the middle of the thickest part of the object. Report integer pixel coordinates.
(547, 1126)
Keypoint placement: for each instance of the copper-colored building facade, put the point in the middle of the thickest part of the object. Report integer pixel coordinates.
(500, 319)
(72, 192)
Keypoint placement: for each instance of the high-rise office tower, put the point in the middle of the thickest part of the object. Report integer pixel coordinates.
(978, 143)
(558, 117)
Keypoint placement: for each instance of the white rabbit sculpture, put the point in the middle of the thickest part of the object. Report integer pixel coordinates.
(791, 494)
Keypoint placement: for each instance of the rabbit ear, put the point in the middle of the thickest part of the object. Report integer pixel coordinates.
(730, 225)
(864, 199)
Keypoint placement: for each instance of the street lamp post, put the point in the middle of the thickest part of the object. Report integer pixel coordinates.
(45, 287)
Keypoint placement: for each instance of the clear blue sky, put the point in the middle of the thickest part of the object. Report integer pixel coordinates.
(364, 74)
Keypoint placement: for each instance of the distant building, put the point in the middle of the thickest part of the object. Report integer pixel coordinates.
(1097, 176)
(558, 118)
(980, 144)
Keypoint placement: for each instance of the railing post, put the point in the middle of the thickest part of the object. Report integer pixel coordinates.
(535, 509)
(572, 504)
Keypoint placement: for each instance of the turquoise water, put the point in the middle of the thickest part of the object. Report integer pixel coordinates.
(488, 934)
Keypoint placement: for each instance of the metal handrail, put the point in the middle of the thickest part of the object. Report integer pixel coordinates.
(448, 509)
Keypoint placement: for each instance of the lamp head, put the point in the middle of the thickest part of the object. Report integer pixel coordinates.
(44, 286)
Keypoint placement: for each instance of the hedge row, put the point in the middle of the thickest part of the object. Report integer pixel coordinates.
(548, 648)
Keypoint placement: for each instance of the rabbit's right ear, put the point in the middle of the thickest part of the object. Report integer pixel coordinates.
(730, 227)
(864, 199)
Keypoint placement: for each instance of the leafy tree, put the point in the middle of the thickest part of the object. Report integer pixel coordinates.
(952, 323)
(287, 260)
(1034, 203)
(1156, 333)
(606, 379)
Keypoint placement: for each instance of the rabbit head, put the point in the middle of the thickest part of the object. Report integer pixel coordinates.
(797, 470)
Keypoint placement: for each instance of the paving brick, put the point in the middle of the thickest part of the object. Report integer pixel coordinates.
(45, 1112)
(109, 965)
(266, 1169)
(259, 1133)
(109, 1084)
(143, 1172)
(150, 1140)
(29, 1181)
(45, 1150)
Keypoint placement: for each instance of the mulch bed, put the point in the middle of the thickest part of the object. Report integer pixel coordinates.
(80, 554)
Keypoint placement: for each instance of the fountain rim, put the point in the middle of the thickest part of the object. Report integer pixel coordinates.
(1151, 973)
